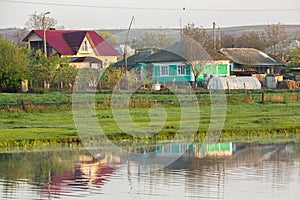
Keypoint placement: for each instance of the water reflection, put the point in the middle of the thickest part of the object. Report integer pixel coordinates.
(229, 171)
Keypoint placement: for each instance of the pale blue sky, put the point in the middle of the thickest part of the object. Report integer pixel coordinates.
(155, 13)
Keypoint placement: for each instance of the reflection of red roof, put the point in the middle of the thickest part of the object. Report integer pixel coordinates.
(67, 181)
(68, 42)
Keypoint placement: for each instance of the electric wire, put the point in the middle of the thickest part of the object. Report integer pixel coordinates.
(151, 8)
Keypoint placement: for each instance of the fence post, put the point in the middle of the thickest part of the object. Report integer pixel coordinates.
(263, 97)
(228, 86)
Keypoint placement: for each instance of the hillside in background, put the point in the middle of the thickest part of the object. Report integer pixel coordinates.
(293, 31)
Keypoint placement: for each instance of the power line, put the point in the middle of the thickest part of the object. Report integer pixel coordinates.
(152, 8)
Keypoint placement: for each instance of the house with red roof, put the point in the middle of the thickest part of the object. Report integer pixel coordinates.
(80, 46)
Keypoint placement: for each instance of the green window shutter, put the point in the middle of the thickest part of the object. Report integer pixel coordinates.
(156, 70)
(222, 69)
(172, 70)
(211, 69)
(188, 70)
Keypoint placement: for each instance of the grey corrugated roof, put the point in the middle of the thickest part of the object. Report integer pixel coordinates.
(187, 50)
(132, 60)
(249, 56)
(162, 56)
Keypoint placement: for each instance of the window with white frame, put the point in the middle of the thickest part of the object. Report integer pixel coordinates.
(181, 70)
(164, 70)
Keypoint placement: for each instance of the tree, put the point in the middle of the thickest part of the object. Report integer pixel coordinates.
(19, 35)
(111, 76)
(46, 71)
(277, 40)
(36, 22)
(294, 58)
(251, 39)
(152, 40)
(14, 60)
(65, 75)
(228, 40)
(199, 34)
(112, 39)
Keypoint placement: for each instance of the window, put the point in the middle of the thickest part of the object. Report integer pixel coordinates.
(85, 46)
(164, 70)
(181, 70)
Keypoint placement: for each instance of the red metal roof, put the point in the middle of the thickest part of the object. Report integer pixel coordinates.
(67, 42)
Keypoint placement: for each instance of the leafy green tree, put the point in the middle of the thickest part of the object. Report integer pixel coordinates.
(46, 71)
(111, 76)
(14, 61)
(294, 58)
(109, 37)
(43, 70)
(65, 75)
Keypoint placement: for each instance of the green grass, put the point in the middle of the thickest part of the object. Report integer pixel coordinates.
(48, 118)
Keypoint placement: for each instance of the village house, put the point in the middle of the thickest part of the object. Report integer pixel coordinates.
(178, 63)
(84, 48)
(247, 61)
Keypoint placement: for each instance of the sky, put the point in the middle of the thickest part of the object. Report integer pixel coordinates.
(115, 14)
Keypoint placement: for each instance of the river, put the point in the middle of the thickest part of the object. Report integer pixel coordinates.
(227, 171)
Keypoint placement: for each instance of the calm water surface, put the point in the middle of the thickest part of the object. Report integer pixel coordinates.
(243, 171)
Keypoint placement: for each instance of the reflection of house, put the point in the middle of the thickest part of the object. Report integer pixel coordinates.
(174, 149)
(85, 174)
(197, 150)
(218, 149)
(250, 60)
(73, 44)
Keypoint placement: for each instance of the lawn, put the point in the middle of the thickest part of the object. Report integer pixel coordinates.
(48, 118)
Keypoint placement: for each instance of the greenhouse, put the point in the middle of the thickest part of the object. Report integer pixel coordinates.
(234, 83)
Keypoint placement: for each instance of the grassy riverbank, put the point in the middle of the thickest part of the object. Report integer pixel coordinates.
(45, 119)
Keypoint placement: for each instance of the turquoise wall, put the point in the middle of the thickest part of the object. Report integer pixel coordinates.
(173, 74)
(208, 69)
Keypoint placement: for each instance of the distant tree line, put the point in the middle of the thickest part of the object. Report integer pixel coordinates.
(274, 40)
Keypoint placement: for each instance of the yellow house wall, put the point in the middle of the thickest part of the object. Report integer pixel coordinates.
(107, 60)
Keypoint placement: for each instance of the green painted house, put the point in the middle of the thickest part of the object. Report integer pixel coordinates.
(177, 65)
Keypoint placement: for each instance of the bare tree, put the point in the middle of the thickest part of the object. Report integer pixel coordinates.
(19, 35)
(199, 34)
(157, 40)
(277, 40)
(35, 21)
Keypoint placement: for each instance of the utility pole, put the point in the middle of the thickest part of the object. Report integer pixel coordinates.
(125, 46)
(214, 36)
(44, 33)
